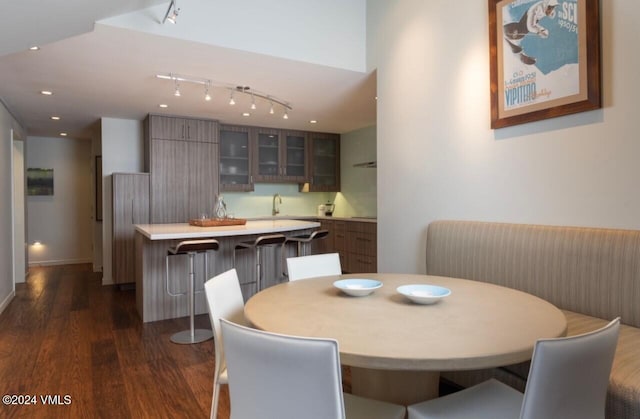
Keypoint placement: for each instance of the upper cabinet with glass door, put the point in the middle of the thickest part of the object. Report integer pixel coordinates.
(267, 164)
(235, 159)
(281, 156)
(296, 156)
(325, 162)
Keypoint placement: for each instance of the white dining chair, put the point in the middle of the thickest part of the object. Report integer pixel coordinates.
(312, 266)
(568, 379)
(225, 301)
(274, 376)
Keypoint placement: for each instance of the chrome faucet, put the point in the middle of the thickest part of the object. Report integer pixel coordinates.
(275, 210)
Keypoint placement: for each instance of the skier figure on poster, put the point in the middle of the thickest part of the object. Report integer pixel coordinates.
(529, 24)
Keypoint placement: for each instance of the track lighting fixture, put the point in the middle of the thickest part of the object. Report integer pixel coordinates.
(232, 88)
(172, 12)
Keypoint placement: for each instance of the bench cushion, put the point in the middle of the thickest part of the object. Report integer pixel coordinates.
(586, 270)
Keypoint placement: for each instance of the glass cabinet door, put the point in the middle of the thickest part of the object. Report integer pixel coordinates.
(235, 159)
(295, 156)
(325, 162)
(268, 165)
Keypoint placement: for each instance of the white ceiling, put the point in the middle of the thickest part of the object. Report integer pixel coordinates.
(98, 70)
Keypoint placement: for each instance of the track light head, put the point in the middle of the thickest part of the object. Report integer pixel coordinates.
(172, 13)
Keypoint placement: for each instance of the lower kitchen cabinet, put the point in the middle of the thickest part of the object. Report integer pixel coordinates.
(355, 241)
(361, 247)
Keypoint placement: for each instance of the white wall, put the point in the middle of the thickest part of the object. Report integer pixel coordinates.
(329, 32)
(62, 222)
(19, 213)
(122, 151)
(438, 157)
(7, 123)
(358, 189)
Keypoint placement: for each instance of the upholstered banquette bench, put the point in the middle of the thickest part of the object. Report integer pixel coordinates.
(592, 275)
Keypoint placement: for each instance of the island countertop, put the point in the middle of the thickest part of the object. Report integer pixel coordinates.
(186, 231)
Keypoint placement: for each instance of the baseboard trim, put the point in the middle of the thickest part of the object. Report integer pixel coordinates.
(60, 262)
(7, 300)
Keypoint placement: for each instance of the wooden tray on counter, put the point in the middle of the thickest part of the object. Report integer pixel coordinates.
(217, 222)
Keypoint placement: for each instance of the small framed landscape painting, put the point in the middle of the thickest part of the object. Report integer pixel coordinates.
(39, 181)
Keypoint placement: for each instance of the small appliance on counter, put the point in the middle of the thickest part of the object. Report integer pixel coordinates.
(326, 209)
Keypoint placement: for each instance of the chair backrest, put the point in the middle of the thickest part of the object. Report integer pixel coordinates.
(569, 376)
(304, 267)
(224, 298)
(273, 376)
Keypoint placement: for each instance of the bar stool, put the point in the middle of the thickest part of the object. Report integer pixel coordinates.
(303, 242)
(190, 248)
(258, 244)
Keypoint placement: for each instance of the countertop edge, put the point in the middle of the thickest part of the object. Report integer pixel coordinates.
(185, 231)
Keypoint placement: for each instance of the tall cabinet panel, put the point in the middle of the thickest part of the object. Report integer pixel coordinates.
(169, 181)
(130, 202)
(202, 178)
(184, 171)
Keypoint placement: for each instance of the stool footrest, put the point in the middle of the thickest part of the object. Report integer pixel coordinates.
(185, 338)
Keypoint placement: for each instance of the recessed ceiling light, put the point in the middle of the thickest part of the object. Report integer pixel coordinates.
(313, 121)
(63, 134)
(163, 105)
(34, 48)
(46, 92)
(246, 114)
(55, 118)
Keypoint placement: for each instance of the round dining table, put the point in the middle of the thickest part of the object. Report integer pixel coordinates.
(396, 348)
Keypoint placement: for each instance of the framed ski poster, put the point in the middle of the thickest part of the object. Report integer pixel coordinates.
(544, 59)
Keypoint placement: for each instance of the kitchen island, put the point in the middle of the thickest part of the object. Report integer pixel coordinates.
(153, 240)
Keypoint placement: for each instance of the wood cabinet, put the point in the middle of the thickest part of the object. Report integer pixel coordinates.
(295, 156)
(185, 129)
(281, 156)
(183, 173)
(268, 162)
(361, 247)
(324, 162)
(355, 242)
(270, 155)
(130, 200)
(236, 158)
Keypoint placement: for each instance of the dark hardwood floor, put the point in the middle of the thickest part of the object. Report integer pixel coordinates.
(65, 334)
